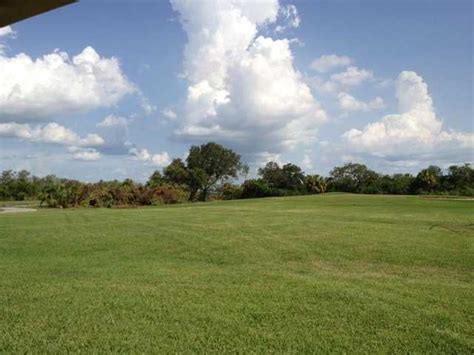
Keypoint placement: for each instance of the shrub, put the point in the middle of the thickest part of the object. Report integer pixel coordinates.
(60, 193)
(99, 196)
(168, 194)
(229, 191)
(254, 188)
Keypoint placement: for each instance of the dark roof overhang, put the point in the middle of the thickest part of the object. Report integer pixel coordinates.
(12, 11)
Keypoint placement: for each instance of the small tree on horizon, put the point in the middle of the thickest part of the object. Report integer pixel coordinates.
(155, 180)
(205, 166)
(209, 164)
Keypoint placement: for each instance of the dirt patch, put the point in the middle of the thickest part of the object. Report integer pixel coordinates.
(449, 198)
(16, 210)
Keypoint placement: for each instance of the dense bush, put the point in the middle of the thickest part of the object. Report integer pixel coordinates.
(60, 193)
(168, 194)
(289, 177)
(398, 184)
(68, 193)
(229, 191)
(254, 188)
(355, 178)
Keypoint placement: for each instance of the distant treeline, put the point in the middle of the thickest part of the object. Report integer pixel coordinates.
(208, 172)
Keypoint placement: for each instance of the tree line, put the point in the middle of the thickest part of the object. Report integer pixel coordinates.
(210, 171)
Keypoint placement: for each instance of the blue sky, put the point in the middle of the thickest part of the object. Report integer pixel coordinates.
(317, 83)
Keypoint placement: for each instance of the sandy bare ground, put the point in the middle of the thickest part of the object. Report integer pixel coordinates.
(16, 209)
(452, 198)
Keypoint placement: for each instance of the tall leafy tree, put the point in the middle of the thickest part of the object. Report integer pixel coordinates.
(353, 177)
(272, 174)
(397, 184)
(293, 177)
(460, 177)
(287, 177)
(7, 184)
(210, 163)
(155, 179)
(176, 173)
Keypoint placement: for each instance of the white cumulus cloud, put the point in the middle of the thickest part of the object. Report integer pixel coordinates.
(147, 107)
(328, 62)
(349, 103)
(346, 80)
(56, 85)
(262, 158)
(415, 133)
(114, 129)
(169, 114)
(160, 159)
(307, 163)
(352, 76)
(52, 133)
(243, 89)
(112, 121)
(85, 154)
(290, 16)
(6, 31)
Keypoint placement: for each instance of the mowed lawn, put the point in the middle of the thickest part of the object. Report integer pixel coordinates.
(327, 273)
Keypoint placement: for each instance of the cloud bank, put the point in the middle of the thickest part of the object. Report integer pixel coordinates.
(52, 133)
(159, 160)
(415, 133)
(57, 85)
(349, 103)
(243, 89)
(85, 154)
(6, 31)
(328, 62)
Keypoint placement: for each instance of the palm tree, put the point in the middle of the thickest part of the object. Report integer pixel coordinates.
(315, 184)
(428, 180)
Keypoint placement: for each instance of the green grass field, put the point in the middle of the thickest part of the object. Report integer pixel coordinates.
(327, 273)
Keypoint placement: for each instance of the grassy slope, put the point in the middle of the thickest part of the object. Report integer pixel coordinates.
(319, 273)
